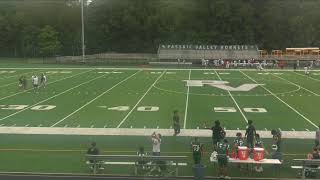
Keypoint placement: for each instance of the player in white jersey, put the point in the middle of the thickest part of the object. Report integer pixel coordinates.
(35, 82)
(306, 70)
(259, 66)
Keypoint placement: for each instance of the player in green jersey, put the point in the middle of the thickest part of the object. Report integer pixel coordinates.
(223, 149)
(197, 150)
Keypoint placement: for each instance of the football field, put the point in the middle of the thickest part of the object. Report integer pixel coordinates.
(117, 98)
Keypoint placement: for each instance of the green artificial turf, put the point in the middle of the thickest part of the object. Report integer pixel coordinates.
(82, 98)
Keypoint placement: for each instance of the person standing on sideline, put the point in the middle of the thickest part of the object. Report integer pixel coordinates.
(276, 138)
(217, 134)
(197, 150)
(317, 139)
(250, 134)
(176, 122)
(238, 141)
(156, 142)
(223, 149)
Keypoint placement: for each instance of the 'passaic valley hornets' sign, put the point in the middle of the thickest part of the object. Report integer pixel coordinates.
(221, 85)
(208, 47)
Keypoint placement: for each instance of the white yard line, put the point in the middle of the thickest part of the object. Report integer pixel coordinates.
(125, 118)
(293, 109)
(235, 102)
(296, 85)
(47, 85)
(308, 77)
(94, 99)
(51, 97)
(187, 103)
(142, 132)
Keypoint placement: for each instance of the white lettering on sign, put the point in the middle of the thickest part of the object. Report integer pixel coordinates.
(155, 72)
(148, 108)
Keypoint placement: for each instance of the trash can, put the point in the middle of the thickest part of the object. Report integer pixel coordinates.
(198, 171)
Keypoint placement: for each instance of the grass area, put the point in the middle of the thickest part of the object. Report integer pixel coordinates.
(146, 98)
(136, 98)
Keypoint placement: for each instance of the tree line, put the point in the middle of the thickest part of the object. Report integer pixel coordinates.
(39, 28)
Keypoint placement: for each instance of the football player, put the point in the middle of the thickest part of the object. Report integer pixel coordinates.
(306, 70)
(43, 80)
(222, 149)
(35, 82)
(197, 150)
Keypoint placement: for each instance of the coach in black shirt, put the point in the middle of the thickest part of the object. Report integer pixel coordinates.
(250, 134)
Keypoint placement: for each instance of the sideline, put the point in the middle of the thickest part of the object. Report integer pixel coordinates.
(142, 132)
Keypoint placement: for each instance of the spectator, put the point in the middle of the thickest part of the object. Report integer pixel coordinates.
(156, 142)
(93, 150)
(222, 149)
(276, 139)
(197, 150)
(317, 139)
(250, 134)
(217, 134)
(176, 122)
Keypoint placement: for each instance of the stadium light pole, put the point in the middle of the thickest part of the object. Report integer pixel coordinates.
(82, 33)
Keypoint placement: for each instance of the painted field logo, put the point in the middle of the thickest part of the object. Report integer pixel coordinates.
(221, 85)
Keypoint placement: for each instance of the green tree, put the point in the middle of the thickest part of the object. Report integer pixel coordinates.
(48, 41)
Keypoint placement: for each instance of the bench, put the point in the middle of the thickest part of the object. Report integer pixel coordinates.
(100, 160)
(306, 164)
